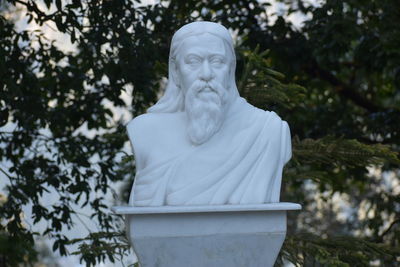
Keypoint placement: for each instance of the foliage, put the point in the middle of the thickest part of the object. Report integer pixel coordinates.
(11, 248)
(340, 93)
(102, 245)
(308, 249)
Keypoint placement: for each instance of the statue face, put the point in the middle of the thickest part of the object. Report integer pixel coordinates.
(203, 57)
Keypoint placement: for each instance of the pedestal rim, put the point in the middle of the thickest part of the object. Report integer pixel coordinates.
(279, 206)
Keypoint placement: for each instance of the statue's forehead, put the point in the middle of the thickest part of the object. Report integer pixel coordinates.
(205, 42)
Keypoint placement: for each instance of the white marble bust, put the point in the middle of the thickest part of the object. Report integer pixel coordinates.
(201, 143)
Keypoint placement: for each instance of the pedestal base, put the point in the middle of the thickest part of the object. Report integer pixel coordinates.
(198, 236)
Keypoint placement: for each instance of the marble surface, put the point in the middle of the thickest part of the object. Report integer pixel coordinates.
(201, 143)
(198, 236)
(209, 208)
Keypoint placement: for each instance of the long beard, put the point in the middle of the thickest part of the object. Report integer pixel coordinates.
(204, 107)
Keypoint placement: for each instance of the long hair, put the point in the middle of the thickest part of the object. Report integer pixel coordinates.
(173, 98)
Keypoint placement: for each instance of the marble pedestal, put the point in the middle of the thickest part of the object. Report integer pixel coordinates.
(198, 236)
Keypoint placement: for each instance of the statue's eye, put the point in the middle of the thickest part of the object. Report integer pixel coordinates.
(217, 61)
(192, 60)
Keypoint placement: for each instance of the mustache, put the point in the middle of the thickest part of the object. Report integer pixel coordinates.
(200, 86)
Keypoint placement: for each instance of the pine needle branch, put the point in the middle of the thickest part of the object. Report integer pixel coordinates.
(263, 86)
(307, 249)
(342, 152)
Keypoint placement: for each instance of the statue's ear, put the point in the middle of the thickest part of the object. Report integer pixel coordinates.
(232, 76)
(232, 81)
(173, 70)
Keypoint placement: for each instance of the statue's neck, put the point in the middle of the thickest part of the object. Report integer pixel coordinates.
(232, 105)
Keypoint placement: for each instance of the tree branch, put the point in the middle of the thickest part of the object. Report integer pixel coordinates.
(342, 88)
(388, 229)
(6, 174)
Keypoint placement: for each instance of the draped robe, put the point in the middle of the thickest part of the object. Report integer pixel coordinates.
(241, 164)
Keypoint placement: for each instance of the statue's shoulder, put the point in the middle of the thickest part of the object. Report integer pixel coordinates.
(149, 121)
(267, 115)
(142, 122)
(273, 116)
(150, 125)
(251, 114)
(273, 119)
(278, 132)
(141, 129)
(145, 133)
(152, 135)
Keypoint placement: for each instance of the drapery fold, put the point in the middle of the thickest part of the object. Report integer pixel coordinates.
(241, 164)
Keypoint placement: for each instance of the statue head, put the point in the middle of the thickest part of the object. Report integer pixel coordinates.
(201, 80)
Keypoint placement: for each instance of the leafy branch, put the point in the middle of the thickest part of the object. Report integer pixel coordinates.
(263, 86)
(342, 152)
(309, 249)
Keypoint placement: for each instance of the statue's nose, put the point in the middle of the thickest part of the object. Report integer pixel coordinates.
(206, 73)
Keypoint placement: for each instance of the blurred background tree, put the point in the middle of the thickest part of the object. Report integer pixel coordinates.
(62, 133)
